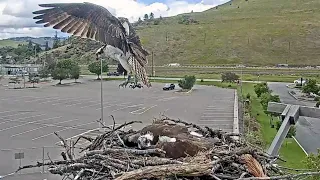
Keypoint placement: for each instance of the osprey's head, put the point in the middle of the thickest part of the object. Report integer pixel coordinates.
(144, 141)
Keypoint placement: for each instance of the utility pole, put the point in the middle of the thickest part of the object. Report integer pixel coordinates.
(101, 93)
(152, 65)
(166, 36)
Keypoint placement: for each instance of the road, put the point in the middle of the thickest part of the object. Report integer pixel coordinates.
(28, 117)
(308, 129)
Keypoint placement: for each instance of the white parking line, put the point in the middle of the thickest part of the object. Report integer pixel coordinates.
(17, 97)
(80, 103)
(32, 122)
(166, 99)
(64, 99)
(3, 117)
(61, 131)
(98, 104)
(144, 108)
(77, 100)
(15, 120)
(121, 104)
(44, 126)
(39, 99)
(6, 111)
(127, 107)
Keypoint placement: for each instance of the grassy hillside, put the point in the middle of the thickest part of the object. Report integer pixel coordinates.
(10, 43)
(255, 32)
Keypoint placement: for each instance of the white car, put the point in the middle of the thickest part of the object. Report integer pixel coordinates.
(298, 81)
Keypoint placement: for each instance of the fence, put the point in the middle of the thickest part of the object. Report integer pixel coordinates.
(12, 159)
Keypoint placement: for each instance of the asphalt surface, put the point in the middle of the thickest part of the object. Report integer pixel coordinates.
(307, 129)
(28, 117)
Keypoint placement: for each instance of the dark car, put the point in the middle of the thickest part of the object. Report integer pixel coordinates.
(169, 87)
(113, 74)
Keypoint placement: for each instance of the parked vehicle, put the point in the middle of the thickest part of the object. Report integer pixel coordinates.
(113, 74)
(168, 87)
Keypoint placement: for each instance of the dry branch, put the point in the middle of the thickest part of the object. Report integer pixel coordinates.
(180, 155)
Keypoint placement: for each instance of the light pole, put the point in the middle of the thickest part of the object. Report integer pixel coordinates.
(101, 92)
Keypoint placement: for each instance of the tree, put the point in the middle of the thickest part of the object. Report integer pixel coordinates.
(56, 41)
(30, 46)
(146, 17)
(67, 64)
(311, 87)
(312, 161)
(229, 77)
(75, 72)
(59, 74)
(47, 46)
(38, 48)
(160, 17)
(96, 68)
(151, 17)
(139, 20)
(187, 82)
(44, 72)
(261, 88)
(266, 98)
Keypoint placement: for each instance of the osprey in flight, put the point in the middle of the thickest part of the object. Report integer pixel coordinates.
(95, 22)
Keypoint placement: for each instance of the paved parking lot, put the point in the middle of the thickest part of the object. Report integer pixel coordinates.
(28, 117)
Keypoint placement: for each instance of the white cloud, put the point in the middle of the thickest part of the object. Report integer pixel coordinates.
(16, 15)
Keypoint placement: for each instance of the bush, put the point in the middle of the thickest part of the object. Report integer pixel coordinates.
(59, 74)
(318, 104)
(317, 98)
(261, 88)
(95, 67)
(312, 162)
(248, 96)
(187, 82)
(229, 77)
(311, 87)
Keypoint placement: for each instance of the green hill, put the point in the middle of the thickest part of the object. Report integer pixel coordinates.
(10, 43)
(255, 32)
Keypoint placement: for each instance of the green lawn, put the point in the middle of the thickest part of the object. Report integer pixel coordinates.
(290, 150)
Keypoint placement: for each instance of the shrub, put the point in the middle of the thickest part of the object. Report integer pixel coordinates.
(248, 96)
(229, 77)
(318, 104)
(261, 88)
(187, 82)
(317, 98)
(311, 87)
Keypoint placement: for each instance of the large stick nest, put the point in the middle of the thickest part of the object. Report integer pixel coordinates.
(166, 149)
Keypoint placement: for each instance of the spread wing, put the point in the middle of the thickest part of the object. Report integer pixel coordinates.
(86, 20)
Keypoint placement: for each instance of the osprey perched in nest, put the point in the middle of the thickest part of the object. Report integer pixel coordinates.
(95, 22)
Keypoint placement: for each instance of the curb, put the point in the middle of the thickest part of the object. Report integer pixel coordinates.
(292, 95)
(300, 146)
(236, 114)
(185, 92)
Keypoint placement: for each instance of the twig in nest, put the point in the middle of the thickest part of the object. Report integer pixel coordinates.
(187, 169)
(132, 151)
(65, 145)
(204, 132)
